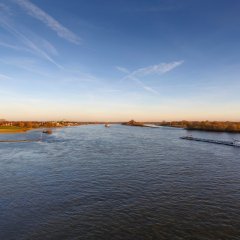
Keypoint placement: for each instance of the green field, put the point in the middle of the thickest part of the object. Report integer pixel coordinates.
(12, 129)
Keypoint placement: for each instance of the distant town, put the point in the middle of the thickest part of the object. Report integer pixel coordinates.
(23, 126)
(37, 124)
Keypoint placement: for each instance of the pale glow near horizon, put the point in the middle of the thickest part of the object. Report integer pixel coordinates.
(117, 113)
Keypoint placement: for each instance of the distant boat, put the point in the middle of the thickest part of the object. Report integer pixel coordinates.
(234, 142)
(107, 125)
(47, 131)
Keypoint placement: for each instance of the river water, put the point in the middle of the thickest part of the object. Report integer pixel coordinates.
(92, 182)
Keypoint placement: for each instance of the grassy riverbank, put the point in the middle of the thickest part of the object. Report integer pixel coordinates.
(23, 126)
(13, 129)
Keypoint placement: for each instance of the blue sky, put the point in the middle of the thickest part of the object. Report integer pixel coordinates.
(120, 59)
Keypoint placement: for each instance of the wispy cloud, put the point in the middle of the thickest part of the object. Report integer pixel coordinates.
(11, 46)
(48, 20)
(44, 44)
(150, 70)
(157, 9)
(40, 42)
(156, 69)
(143, 85)
(26, 64)
(122, 69)
(31, 46)
(4, 8)
(4, 77)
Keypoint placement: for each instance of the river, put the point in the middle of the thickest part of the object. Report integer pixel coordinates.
(92, 182)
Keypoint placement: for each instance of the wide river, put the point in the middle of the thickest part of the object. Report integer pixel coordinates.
(92, 182)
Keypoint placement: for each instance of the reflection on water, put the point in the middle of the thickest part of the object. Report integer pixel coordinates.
(92, 182)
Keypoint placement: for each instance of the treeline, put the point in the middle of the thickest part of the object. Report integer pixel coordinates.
(32, 124)
(133, 123)
(216, 126)
(47, 124)
(37, 124)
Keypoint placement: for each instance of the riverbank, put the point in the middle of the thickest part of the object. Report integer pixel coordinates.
(206, 126)
(13, 129)
(134, 124)
(23, 127)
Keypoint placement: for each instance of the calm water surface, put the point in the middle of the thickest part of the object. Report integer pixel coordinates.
(92, 182)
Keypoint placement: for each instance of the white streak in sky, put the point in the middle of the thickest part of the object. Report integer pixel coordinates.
(4, 77)
(14, 47)
(5, 8)
(48, 20)
(154, 69)
(122, 69)
(28, 43)
(144, 86)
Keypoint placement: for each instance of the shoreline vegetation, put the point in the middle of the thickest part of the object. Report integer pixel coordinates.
(12, 129)
(214, 126)
(134, 124)
(24, 126)
(210, 126)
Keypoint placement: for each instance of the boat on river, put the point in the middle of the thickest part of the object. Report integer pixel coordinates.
(47, 131)
(234, 142)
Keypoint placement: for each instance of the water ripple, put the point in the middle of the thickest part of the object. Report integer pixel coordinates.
(123, 182)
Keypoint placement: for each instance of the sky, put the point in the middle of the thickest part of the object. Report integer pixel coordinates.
(116, 60)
